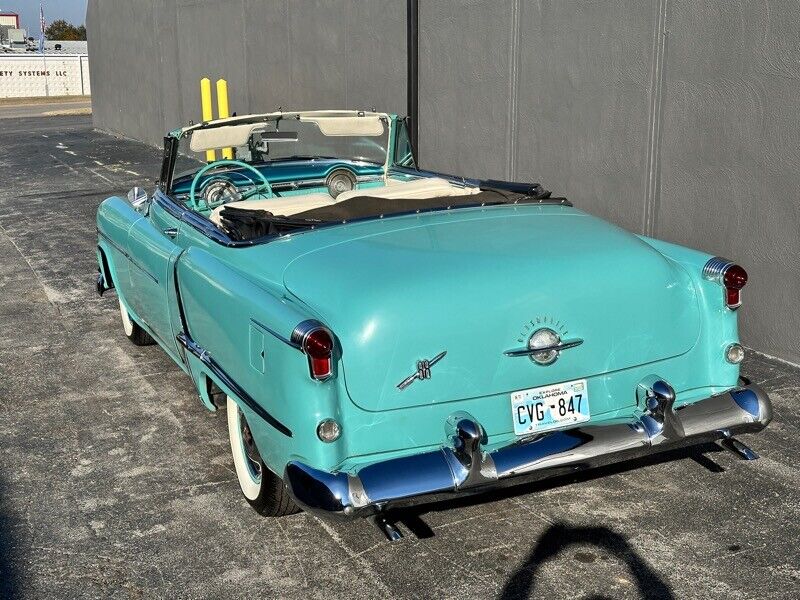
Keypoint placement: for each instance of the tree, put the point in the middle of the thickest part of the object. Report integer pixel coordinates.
(61, 30)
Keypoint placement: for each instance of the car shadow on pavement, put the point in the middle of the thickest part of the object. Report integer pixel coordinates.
(560, 537)
(412, 518)
(9, 583)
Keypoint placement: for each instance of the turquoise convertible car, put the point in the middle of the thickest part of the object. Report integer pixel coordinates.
(382, 336)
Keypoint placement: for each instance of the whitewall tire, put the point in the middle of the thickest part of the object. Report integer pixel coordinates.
(135, 333)
(264, 490)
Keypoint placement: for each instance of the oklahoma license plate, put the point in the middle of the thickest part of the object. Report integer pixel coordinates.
(550, 407)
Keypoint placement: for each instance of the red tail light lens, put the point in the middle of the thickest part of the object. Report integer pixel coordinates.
(729, 275)
(734, 279)
(318, 346)
(316, 342)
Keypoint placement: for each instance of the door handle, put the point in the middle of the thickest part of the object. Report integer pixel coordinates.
(171, 232)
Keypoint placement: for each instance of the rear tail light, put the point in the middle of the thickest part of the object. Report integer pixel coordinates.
(730, 276)
(316, 342)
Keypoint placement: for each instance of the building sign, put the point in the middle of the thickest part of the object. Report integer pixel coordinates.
(37, 75)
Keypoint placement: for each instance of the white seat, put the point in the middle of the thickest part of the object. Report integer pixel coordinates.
(286, 206)
(429, 187)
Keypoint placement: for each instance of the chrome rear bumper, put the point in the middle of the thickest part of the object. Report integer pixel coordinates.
(463, 466)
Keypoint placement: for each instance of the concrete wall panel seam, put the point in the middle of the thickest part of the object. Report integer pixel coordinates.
(656, 117)
(513, 81)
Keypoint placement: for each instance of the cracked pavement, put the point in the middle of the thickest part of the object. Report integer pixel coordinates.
(116, 482)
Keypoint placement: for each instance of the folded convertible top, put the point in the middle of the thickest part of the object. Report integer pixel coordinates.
(363, 207)
(243, 224)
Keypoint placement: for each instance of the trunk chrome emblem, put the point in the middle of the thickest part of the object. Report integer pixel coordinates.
(544, 346)
(423, 371)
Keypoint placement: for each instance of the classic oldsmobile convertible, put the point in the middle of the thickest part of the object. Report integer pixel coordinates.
(380, 335)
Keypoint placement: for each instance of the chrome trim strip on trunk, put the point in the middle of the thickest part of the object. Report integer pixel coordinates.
(461, 465)
(240, 393)
(565, 345)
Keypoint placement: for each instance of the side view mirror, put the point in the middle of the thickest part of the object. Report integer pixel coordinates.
(138, 197)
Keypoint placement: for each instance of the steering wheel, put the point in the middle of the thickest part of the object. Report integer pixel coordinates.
(263, 187)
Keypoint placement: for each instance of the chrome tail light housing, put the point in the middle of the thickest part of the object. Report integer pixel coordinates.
(730, 276)
(316, 342)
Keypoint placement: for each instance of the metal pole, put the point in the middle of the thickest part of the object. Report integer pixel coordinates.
(80, 66)
(412, 73)
(46, 75)
(208, 111)
(223, 111)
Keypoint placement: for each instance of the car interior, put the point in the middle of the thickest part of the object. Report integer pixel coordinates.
(432, 187)
(336, 168)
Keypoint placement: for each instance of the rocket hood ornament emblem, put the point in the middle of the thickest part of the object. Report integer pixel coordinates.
(423, 371)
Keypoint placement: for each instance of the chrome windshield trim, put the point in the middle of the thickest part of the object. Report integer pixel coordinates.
(564, 345)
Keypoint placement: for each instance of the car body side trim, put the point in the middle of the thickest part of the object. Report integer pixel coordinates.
(128, 256)
(202, 354)
(274, 333)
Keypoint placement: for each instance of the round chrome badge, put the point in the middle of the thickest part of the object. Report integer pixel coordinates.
(544, 338)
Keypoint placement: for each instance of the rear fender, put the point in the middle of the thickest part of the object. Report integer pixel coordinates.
(719, 324)
(245, 330)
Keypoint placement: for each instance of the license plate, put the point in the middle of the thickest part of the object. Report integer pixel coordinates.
(550, 407)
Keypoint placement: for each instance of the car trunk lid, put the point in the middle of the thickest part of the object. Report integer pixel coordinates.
(475, 284)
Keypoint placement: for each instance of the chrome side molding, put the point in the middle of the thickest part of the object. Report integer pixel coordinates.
(203, 355)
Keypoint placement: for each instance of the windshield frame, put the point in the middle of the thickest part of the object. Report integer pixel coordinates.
(173, 138)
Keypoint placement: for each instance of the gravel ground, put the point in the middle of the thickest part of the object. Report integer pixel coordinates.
(115, 482)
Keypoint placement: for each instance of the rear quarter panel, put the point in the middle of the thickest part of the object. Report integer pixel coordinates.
(719, 324)
(245, 326)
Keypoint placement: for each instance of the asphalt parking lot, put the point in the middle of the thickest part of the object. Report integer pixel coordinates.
(116, 482)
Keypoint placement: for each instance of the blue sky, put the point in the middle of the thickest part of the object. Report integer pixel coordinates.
(73, 11)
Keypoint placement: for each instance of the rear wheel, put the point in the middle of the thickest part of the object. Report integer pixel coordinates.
(264, 490)
(135, 333)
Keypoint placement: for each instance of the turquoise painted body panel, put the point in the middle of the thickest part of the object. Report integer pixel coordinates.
(474, 282)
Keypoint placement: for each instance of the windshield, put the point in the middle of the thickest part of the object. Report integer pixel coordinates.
(281, 139)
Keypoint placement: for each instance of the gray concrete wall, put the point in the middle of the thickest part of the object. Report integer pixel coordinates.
(150, 55)
(673, 118)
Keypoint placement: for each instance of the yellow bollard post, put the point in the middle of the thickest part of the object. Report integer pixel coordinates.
(223, 111)
(208, 111)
